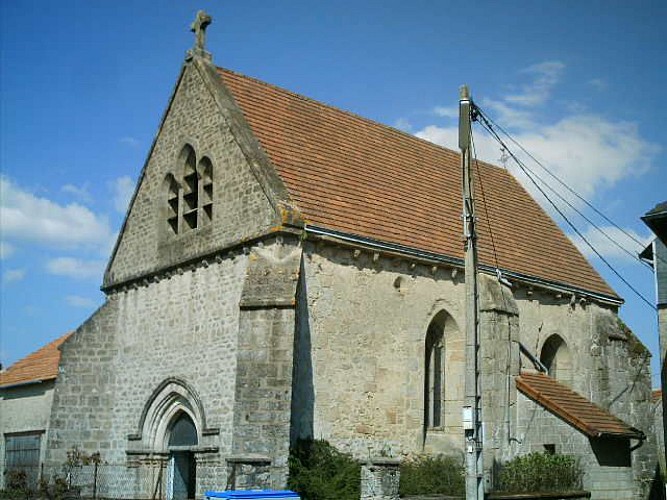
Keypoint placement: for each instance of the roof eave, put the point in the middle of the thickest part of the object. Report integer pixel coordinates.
(416, 253)
(584, 428)
(26, 383)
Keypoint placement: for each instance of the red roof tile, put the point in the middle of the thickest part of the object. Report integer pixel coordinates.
(572, 407)
(39, 366)
(352, 175)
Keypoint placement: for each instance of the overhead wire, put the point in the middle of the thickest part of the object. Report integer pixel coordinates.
(577, 195)
(532, 177)
(572, 206)
(486, 209)
(556, 178)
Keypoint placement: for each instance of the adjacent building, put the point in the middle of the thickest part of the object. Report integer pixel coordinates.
(26, 396)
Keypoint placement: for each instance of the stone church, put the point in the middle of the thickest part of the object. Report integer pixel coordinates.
(290, 270)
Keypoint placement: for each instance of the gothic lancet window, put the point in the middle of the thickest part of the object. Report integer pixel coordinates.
(555, 356)
(206, 186)
(172, 203)
(190, 189)
(189, 194)
(434, 379)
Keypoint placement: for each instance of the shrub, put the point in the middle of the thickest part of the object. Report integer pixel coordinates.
(426, 475)
(540, 472)
(318, 471)
(16, 485)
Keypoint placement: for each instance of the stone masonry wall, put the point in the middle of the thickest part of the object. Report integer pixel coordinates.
(265, 358)
(362, 352)
(608, 481)
(84, 393)
(240, 209)
(361, 341)
(609, 366)
(183, 327)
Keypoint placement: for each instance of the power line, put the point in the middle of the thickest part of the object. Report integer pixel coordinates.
(489, 128)
(574, 208)
(486, 208)
(491, 123)
(554, 176)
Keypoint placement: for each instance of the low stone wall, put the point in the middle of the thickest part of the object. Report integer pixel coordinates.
(539, 496)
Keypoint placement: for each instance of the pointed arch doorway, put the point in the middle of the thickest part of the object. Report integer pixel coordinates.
(182, 475)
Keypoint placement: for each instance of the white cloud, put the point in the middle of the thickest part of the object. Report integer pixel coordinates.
(76, 268)
(123, 189)
(619, 244)
(446, 111)
(25, 216)
(545, 76)
(444, 136)
(588, 152)
(6, 250)
(13, 275)
(403, 124)
(80, 192)
(78, 301)
(129, 141)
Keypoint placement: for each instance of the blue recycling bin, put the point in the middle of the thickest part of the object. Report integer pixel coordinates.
(252, 494)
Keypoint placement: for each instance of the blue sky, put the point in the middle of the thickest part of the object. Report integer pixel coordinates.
(84, 85)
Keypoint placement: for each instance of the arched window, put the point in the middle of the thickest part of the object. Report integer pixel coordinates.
(190, 188)
(206, 186)
(190, 193)
(434, 379)
(173, 203)
(555, 356)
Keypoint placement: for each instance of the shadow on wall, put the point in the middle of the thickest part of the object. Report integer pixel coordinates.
(303, 391)
(658, 486)
(611, 452)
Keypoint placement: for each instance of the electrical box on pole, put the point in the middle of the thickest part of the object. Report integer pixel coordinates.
(472, 418)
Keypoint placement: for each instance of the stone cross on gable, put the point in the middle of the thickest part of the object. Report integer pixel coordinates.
(198, 27)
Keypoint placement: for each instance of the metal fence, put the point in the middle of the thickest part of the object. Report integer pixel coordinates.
(94, 481)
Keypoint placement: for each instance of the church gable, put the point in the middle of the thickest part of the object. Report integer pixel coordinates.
(205, 186)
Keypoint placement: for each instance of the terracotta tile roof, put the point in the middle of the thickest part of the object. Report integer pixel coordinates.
(656, 395)
(41, 365)
(352, 175)
(572, 407)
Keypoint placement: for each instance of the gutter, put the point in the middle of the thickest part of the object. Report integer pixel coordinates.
(372, 244)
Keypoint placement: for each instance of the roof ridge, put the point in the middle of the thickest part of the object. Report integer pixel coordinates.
(311, 143)
(352, 114)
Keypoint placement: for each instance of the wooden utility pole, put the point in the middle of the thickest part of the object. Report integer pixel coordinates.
(472, 418)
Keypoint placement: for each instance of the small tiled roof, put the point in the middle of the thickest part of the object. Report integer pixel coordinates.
(352, 175)
(573, 408)
(656, 395)
(39, 366)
